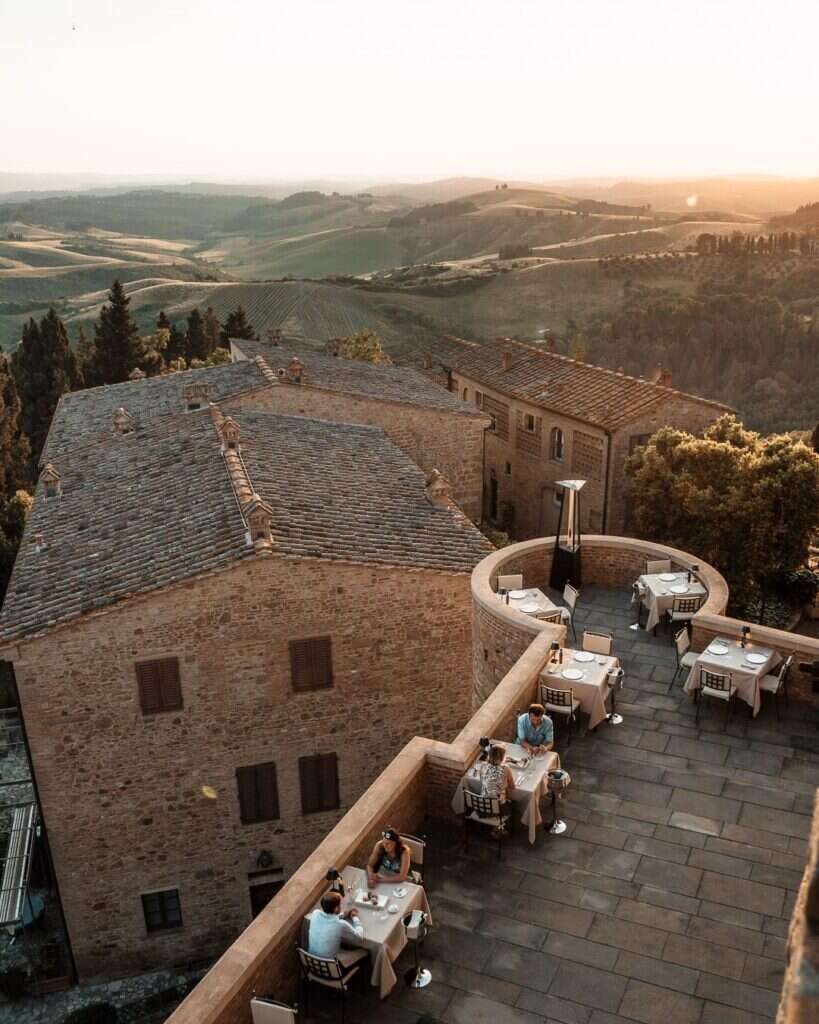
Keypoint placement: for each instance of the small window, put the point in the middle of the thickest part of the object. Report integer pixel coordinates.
(159, 686)
(556, 444)
(162, 910)
(318, 776)
(479, 399)
(311, 664)
(466, 394)
(51, 490)
(508, 468)
(529, 423)
(193, 406)
(231, 445)
(258, 793)
(262, 894)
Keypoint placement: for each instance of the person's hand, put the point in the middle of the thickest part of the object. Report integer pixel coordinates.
(352, 912)
(371, 878)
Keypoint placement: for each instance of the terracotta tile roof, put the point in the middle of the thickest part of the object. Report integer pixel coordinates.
(155, 506)
(403, 384)
(580, 390)
(84, 416)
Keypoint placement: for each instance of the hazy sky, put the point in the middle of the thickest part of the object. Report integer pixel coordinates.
(517, 88)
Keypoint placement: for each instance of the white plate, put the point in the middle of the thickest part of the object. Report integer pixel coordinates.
(717, 650)
(668, 577)
(756, 659)
(679, 588)
(583, 656)
(518, 594)
(572, 673)
(393, 908)
(399, 893)
(530, 606)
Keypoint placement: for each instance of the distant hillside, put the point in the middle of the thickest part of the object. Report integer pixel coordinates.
(806, 217)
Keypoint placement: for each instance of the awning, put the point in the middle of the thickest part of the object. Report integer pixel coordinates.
(16, 864)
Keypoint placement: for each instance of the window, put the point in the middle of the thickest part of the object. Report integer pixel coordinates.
(478, 399)
(51, 490)
(162, 910)
(508, 468)
(262, 894)
(529, 422)
(193, 406)
(318, 776)
(158, 683)
(258, 793)
(556, 444)
(311, 664)
(466, 394)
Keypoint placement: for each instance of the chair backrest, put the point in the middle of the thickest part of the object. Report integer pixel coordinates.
(658, 565)
(686, 605)
(483, 806)
(511, 582)
(416, 846)
(785, 668)
(268, 1011)
(638, 589)
(570, 595)
(473, 784)
(554, 616)
(324, 967)
(558, 698)
(596, 643)
(714, 681)
(682, 641)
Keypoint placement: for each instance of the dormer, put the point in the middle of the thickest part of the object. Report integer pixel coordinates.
(196, 395)
(259, 516)
(123, 421)
(50, 479)
(437, 490)
(295, 369)
(230, 434)
(137, 374)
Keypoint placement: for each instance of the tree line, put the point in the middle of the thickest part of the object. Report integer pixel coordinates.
(709, 244)
(45, 366)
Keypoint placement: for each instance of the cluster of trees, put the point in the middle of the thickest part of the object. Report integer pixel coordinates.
(709, 244)
(45, 366)
(747, 504)
(806, 216)
(433, 212)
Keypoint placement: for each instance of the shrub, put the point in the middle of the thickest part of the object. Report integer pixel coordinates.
(94, 1013)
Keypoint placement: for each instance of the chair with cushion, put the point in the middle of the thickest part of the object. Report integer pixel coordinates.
(658, 565)
(507, 583)
(560, 702)
(718, 686)
(570, 596)
(555, 617)
(268, 1011)
(486, 810)
(686, 658)
(683, 610)
(417, 848)
(597, 643)
(329, 972)
(777, 683)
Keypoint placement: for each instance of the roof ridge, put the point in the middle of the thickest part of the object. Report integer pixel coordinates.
(265, 369)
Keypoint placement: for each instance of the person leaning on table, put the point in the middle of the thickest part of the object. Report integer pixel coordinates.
(390, 860)
(329, 928)
(535, 730)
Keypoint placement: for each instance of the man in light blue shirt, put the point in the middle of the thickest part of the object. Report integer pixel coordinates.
(329, 928)
(535, 730)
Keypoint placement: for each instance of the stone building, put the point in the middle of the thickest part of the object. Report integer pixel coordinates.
(223, 623)
(554, 418)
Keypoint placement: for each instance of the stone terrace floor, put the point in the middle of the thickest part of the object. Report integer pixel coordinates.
(667, 900)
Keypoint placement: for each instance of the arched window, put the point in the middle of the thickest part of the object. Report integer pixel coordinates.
(466, 394)
(556, 444)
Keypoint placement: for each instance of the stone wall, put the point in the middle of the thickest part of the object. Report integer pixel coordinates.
(121, 791)
(434, 439)
(800, 991)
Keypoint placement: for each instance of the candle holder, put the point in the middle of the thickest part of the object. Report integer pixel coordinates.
(333, 876)
(554, 653)
(746, 636)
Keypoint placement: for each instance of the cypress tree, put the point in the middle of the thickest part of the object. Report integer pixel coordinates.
(116, 340)
(162, 322)
(175, 349)
(196, 344)
(237, 326)
(14, 446)
(213, 330)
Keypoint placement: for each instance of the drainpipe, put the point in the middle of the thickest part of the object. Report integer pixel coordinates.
(604, 528)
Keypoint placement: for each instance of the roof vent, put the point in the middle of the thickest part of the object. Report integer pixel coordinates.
(259, 515)
(661, 376)
(506, 360)
(50, 479)
(230, 433)
(123, 421)
(437, 490)
(39, 542)
(137, 374)
(196, 395)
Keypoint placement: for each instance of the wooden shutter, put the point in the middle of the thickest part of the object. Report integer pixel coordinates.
(267, 791)
(150, 686)
(248, 804)
(328, 782)
(309, 782)
(169, 680)
(311, 663)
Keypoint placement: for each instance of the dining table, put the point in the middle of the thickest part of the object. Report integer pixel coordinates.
(586, 675)
(531, 775)
(532, 601)
(745, 665)
(660, 589)
(384, 932)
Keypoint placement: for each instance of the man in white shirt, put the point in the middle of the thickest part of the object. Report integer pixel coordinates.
(329, 928)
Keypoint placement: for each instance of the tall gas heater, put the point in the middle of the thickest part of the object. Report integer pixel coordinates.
(566, 563)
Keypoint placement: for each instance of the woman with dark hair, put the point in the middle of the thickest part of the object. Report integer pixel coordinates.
(390, 859)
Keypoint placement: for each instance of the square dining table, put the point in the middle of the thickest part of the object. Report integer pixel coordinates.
(662, 587)
(591, 689)
(728, 657)
(534, 602)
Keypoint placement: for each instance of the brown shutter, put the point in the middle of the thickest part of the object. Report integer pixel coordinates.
(309, 781)
(311, 663)
(328, 782)
(267, 791)
(322, 662)
(150, 686)
(169, 679)
(300, 665)
(248, 804)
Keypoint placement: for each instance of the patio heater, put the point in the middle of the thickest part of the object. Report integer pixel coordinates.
(566, 567)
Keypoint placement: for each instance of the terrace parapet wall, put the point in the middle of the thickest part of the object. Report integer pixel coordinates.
(800, 991)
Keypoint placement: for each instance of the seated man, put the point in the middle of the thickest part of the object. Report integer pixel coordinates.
(535, 730)
(329, 928)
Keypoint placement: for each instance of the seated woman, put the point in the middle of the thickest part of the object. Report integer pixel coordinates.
(390, 859)
(496, 777)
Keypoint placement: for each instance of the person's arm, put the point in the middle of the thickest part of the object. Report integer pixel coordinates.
(375, 856)
(548, 733)
(510, 782)
(353, 928)
(521, 737)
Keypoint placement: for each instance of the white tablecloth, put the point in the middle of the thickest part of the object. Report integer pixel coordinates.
(658, 598)
(535, 596)
(591, 690)
(530, 784)
(384, 936)
(744, 676)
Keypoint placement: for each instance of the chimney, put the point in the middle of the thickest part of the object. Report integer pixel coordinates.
(230, 432)
(550, 344)
(274, 335)
(661, 376)
(295, 368)
(437, 490)
(39, 542)
(136, 374)
(259, 515)
(427, 361)
(123, 421)
(196, 395)
(506, 360)
(50, 479)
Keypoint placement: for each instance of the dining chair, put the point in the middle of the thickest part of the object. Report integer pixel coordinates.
(683, 609)
(486, 810)
(638, 594)
(777, 683)
(658, 565)
(596, 643)
(268, 1011)
(417, 847)
(686, 658)
(514, 582)
(614, 682)
(560, 702)
(718, 686)
(555, 617)
(570, 596)
(328, 972)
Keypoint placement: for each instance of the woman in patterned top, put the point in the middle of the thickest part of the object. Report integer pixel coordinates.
(497, 780)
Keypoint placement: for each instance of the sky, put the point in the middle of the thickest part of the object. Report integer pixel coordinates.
(527, 89)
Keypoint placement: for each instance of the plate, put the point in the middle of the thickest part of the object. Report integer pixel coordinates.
(518, 594)
(583, 656)
(399, 893)
(717, 650)
(393, 908)
(756, 659)
(572, 673)
(679, 588)
(668, 577)
(530, 606)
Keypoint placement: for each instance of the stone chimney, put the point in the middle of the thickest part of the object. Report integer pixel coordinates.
(437, 490)
(295, 369)
(230, 433)
(137, 374)
(427, 361)
(50, 479)
(506, 360)
(123, 421)
(550, 344)
(661, 376)
(196, 395)
(259, 515)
